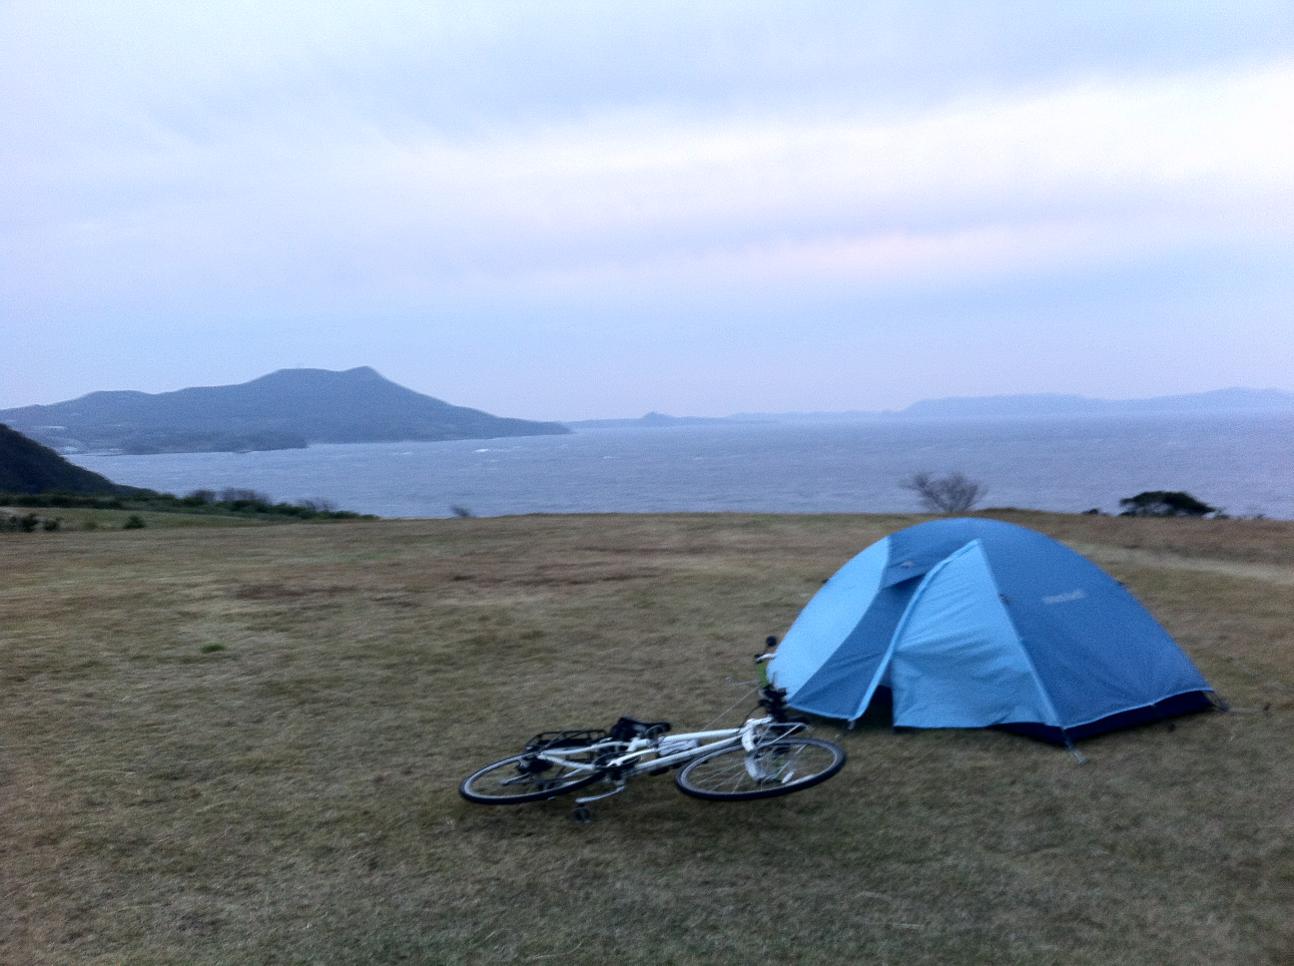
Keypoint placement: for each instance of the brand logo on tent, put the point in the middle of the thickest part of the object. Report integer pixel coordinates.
(1066, 598)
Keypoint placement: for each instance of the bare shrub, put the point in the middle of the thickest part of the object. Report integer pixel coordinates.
(951, 493)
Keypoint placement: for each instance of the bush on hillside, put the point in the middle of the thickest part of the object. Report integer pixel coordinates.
(1164, 503)
(231, 500)
(233, 494)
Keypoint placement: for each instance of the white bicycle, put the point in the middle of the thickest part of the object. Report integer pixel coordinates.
(764, 757)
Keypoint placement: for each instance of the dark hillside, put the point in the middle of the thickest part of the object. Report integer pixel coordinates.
(285, 409)
(28, 467)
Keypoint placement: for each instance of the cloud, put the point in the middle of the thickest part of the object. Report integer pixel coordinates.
(1088, 173)
(171, 167)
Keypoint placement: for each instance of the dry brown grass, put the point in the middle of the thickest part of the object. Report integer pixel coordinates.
(291, 796)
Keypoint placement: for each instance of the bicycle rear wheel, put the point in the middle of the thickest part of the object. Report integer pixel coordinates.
(522, 778)
(777, 768)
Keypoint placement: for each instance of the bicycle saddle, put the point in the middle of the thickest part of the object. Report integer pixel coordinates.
(627, 729)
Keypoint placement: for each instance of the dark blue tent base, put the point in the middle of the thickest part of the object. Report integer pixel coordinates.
(1179, 704)
(881, 708)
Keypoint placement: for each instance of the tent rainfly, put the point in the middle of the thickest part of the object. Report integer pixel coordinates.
(974, 623)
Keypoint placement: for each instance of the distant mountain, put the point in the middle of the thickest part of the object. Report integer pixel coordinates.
(1053, 404)
(812, 416)
(286, 409)
(655, 420)
(28, 467)
(1036, 404)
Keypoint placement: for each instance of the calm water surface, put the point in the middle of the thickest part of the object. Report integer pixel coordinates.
(1242, 463)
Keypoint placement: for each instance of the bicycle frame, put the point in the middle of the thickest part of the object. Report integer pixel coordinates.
(630, 762)
(764, 757)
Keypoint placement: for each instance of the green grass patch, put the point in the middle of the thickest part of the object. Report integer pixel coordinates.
(238, 503)
(93, 519)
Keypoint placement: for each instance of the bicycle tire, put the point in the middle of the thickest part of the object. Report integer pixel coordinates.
(735, 775)
(532, 786)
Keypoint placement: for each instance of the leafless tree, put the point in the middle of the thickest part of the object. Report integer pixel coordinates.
(952, 493)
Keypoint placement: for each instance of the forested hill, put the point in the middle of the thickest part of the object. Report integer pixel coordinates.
(28, 467)
(285, 409)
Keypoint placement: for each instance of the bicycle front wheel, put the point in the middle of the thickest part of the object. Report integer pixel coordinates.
(522, 778)
(777, 768)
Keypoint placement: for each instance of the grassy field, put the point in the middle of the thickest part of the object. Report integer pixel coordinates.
(231, 745)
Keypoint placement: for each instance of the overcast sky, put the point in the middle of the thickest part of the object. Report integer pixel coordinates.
(566, 210)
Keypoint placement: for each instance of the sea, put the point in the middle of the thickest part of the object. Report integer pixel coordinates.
(1241, 463)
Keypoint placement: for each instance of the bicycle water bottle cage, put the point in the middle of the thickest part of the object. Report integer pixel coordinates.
(549, 740)
(627, 729)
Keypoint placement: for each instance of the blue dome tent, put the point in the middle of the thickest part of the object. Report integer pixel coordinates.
(974, 623)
